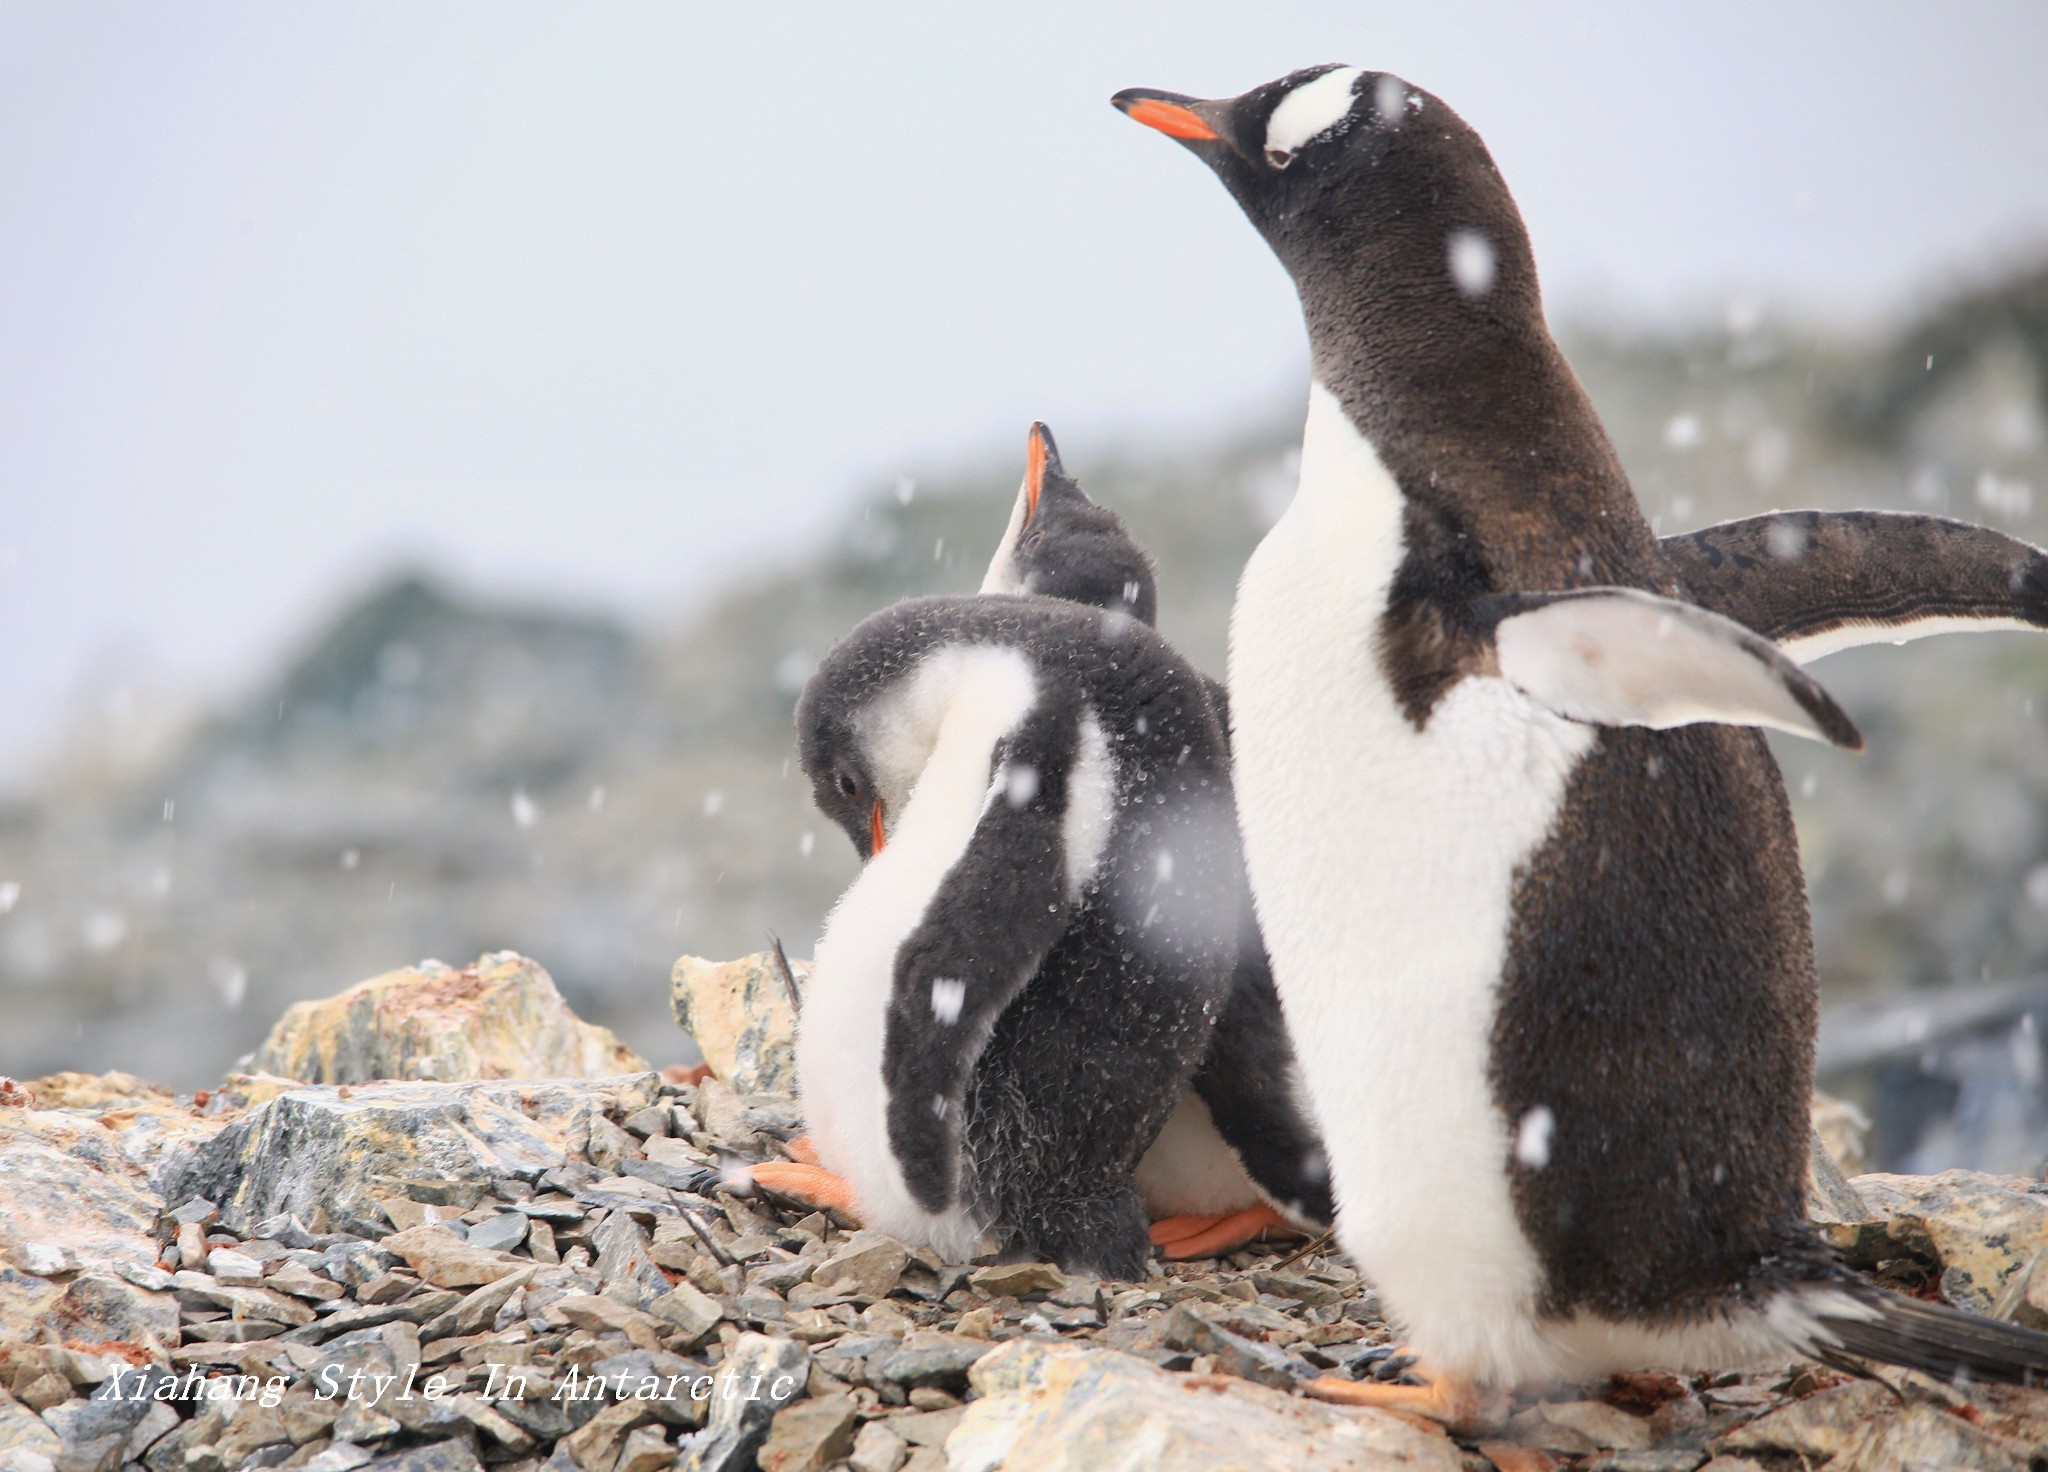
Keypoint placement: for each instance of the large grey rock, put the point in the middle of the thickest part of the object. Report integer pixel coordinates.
(327, 1154)
(500, 1018)
(742, 1018)
(1049, 1407)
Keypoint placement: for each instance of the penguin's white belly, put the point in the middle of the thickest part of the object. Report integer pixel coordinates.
(1383, 861)
(1190, 1170)
(840, 1035)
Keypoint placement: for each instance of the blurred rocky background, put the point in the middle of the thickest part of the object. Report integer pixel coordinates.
(446, 770)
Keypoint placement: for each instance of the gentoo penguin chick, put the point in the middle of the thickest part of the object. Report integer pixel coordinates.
(1061, 544)
(1007, 1003)
(1814, 582)
(1242, 1132)
(1529, 885)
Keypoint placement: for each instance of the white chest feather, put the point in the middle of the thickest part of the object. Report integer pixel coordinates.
(1382, 858)
(941, 728)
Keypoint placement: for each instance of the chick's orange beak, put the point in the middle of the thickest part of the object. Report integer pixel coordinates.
(875, 826)
(1034, 471)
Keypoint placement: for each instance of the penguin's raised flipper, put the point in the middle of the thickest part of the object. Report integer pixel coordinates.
(1814, 582)
(986, 931)
(1623, 657)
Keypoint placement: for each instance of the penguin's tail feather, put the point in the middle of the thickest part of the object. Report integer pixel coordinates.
(1858, 1321)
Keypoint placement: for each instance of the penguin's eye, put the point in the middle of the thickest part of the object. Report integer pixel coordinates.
(849, 784)
(1032, 540)
(1279, 158)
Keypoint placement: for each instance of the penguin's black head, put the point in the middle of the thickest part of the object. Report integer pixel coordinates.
(833, 756)
(1060, 544)
(1372, 192)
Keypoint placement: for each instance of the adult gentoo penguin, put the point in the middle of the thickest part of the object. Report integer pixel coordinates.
(1241, 1133)
(1530, 887)
(1007, 1003)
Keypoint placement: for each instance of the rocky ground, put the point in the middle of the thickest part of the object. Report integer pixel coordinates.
(482, 1264)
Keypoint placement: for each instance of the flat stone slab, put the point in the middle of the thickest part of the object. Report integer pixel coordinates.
(1049, 1407)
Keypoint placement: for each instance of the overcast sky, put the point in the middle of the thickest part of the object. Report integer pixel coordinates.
(592, 302)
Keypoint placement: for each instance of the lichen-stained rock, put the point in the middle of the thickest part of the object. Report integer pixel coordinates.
(1982, 1231)
(77, 1260)
(1863, 1427)
(1061, 1408)
(741, 1015)
(95, 1091)
(501, 1018)
(146, 1118)
(327, 1154)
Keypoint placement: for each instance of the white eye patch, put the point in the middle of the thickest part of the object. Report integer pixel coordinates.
(1309, 111)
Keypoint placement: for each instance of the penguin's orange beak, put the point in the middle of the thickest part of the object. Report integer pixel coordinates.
(875, 827)
(1167, 112)
(1034, 470)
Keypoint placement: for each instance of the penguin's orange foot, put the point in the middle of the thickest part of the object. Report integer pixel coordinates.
(813, 1185)
(1206, 1236)
(801, 1149)
(1453, 1402)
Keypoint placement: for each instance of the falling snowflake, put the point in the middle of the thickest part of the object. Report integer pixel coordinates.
(1532, 1137)
(1473, 262)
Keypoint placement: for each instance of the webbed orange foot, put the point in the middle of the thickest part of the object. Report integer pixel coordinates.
(1440, 1398)
(1206, 1236)
(812, 1185)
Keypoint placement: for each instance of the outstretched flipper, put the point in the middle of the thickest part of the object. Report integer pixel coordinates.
(1814, 582)
(1623, 657)
(996, 915)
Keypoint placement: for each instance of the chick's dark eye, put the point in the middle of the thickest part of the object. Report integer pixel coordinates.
(848, 785)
